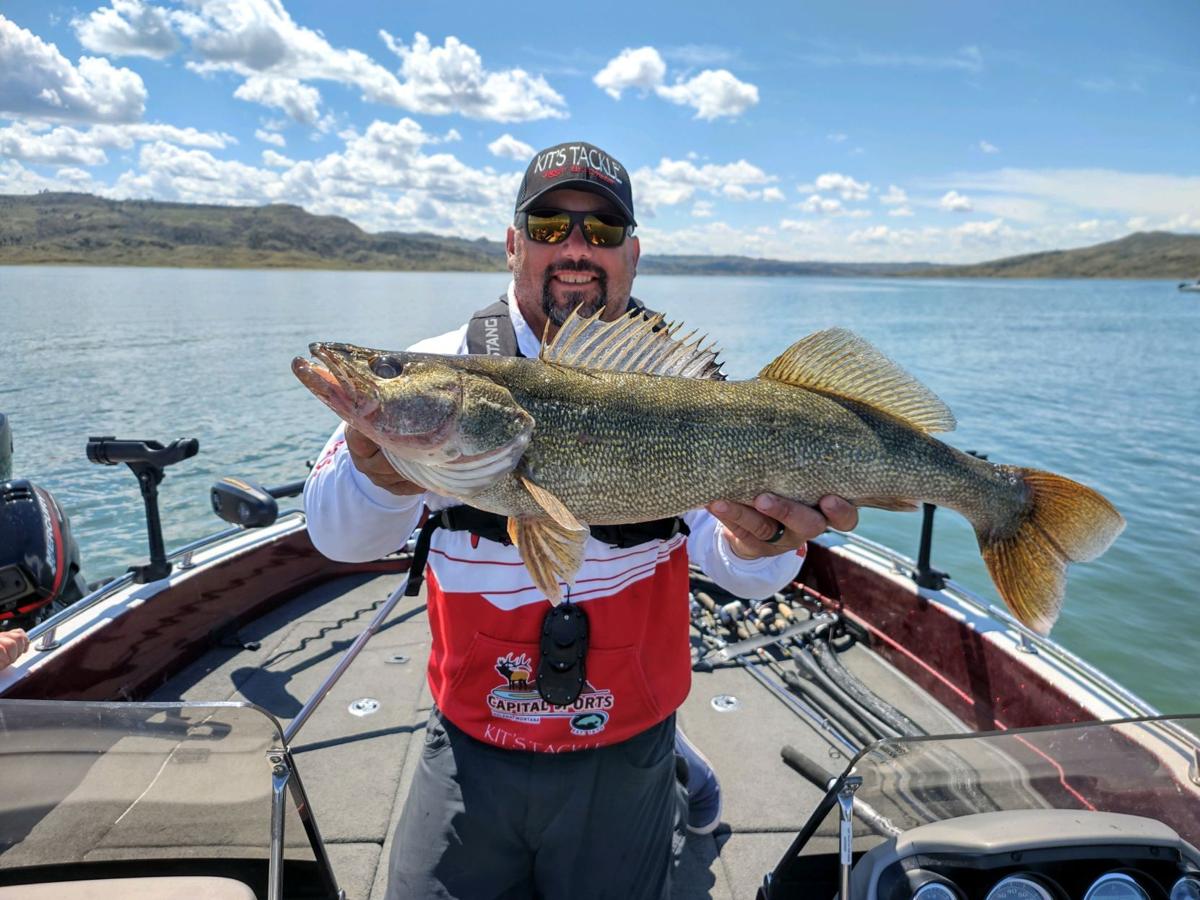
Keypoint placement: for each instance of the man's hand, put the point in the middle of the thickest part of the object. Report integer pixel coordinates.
(748, 528)
(12, 645)
(368, 459)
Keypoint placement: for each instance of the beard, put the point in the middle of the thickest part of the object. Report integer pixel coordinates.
(574, 300)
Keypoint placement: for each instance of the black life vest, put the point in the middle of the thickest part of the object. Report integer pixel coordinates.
(490, 332)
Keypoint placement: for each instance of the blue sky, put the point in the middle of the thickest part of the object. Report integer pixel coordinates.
(837, 131)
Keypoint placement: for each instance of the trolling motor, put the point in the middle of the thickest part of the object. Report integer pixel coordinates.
(147, 459)
(39, 559)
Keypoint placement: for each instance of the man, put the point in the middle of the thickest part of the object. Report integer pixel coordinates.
(515, 795)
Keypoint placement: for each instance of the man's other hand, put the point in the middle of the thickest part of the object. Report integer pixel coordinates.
(368, 459)
(12, 645)
(748, 528)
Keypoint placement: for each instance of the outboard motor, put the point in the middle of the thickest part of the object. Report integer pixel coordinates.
(39, 559)
(5, 448)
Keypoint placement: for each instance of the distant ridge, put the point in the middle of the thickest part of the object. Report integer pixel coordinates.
(82, 229)
(69, 228)
(1145, 254)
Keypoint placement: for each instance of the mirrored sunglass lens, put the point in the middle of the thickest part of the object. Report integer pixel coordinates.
(603, 230)
(548, 229)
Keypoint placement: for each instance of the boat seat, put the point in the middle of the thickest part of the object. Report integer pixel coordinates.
(175, 888)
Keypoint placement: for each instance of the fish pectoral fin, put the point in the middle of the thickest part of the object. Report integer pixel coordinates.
(839, 362)
(554, 507)
(894, 504)
(551, 553)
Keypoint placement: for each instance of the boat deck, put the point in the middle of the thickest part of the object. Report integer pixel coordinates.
(357, 769)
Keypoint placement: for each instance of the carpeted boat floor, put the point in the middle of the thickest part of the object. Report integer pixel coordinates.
(357, 768)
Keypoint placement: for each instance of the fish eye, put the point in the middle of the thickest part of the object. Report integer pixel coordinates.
(386, 366)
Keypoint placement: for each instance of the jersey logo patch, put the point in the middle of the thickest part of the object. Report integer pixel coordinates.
(517, 699)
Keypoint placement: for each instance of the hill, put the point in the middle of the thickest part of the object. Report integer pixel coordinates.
(1145, 254)
(80, 228)
(67, 228)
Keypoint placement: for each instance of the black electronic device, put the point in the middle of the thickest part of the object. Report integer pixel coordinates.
(561, 672)
(244, 503)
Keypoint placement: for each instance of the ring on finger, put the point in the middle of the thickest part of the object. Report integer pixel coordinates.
(779, 532)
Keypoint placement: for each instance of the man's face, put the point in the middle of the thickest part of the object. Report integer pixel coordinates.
(550, 280)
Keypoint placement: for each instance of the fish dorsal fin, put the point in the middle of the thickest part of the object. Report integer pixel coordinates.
(635, 342)
(837, 361)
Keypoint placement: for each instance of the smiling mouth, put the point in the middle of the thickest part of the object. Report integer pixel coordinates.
(575, 277)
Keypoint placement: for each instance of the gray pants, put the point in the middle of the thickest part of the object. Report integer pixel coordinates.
(482, 823)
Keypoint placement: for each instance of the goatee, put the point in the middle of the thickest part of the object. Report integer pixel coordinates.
(574, 300)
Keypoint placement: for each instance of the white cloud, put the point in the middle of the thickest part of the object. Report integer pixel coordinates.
(900, 211)
(452, 79)
(713, 93)
(953, 201)
(270, 137)
(58, 147)
(300, 102)
(980, 229)
(37, 80)
(676, 181)
(702, 209)
(988, 148)
(508, 147)
(837, 137)
(277, 160)
(844, 185)
(967, 59)
(797, 225)
(773, 195)
(894, 196)
(259, 37)
(64, 144)
(127, 28)
(828, 206)
(641, 68)
(1071, 192)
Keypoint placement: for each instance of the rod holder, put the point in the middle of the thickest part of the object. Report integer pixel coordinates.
(845, 799)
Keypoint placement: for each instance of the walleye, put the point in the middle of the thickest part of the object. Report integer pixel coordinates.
(623, 421)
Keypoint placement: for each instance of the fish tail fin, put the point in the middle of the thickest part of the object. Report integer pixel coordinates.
(1062, 522)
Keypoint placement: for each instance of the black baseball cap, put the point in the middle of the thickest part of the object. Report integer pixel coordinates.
(580, 166)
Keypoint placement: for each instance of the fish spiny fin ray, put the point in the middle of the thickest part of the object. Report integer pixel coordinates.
(839, 362)
(636, 342)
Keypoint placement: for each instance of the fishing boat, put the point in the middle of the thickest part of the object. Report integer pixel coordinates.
(1190, 285)
(241, 717)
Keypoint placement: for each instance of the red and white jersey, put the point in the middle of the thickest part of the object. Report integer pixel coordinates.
(485, 612)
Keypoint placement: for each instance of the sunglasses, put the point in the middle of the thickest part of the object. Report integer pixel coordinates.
(553, 226)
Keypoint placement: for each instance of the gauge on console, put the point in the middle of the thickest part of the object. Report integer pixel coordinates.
(1019, 887)
(935, 890)
(1186, 888)
(1116, 886)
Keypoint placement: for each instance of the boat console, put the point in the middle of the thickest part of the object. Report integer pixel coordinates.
(1047, 854)
(1082, 811)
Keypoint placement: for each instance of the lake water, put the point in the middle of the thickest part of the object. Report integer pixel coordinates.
(1098, 381)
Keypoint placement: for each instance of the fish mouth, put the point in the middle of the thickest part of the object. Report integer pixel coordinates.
(337, 381)
(341, 376)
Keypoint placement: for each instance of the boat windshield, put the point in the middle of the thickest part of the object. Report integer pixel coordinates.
(103, 782)
(1145, 767)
